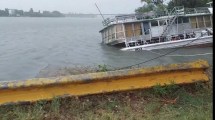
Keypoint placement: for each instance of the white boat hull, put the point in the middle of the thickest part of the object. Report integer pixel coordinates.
(173, 44)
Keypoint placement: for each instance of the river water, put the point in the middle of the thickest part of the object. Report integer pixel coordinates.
(29, 45)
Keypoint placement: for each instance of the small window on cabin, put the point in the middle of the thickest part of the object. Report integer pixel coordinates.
(179, 20)
(162, 22)
(146, 28)
(185, 20)
(154, 23)
(137, 29)
(167, 21)
(129, 30)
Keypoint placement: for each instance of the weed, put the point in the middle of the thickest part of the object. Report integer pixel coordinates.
(111, 105)
(166, 89)
(37, 111)
(55, 105)
(102, 68)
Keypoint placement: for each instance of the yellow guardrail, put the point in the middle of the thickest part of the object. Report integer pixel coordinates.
(93, 83)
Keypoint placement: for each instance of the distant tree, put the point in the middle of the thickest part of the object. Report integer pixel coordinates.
(6, 11)
(20, 12)
(145, 8)
(57, 14)
(46, 14)
(156, 2)
(157, 6)
(188, 3)
(31, 10)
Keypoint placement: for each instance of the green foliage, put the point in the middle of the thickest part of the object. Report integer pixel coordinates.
(157, 8)
(111, 105)
(166, 89)
(34, 112)
(137, 105)
(188, 3)
(156, 2)
(55, 105)
(102, 68)
(161, 9)
(145, 8)
(147, 1)
(37, 111)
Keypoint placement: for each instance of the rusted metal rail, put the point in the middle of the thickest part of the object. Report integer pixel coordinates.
(102, 82)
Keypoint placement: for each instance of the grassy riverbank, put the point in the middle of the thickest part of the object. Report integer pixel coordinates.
(187, 102)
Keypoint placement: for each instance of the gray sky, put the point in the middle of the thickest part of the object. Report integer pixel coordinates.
(77, 6)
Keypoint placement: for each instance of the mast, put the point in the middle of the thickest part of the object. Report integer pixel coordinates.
(100, 11)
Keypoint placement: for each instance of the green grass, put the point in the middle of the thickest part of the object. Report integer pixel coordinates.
(170, 102)
(194, 102)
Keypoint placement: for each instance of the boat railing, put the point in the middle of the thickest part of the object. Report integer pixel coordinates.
(177, 10)
(172, 15)
(196, 10)
(192, 30)
(188, 34)
(115, 20)
(174, 37)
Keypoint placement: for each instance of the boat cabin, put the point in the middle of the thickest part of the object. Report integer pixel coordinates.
(125, 29)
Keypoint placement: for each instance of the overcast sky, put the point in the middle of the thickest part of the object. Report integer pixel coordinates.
(76, 6)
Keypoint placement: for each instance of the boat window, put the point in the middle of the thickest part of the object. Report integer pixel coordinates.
(207, 21)
(146, 28)
(178, 21)
(137, 29)
(154, 23)
(193, 22)
(129, 30)
(162, 22)
(167, 21)
(185, 20)
(200, 21)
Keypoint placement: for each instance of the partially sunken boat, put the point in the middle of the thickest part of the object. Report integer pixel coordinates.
(179, 28)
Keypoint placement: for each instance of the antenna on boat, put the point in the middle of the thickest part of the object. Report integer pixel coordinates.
(100, 11)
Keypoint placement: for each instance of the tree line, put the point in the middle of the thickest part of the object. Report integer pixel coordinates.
(31, 13)
(158, 5)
